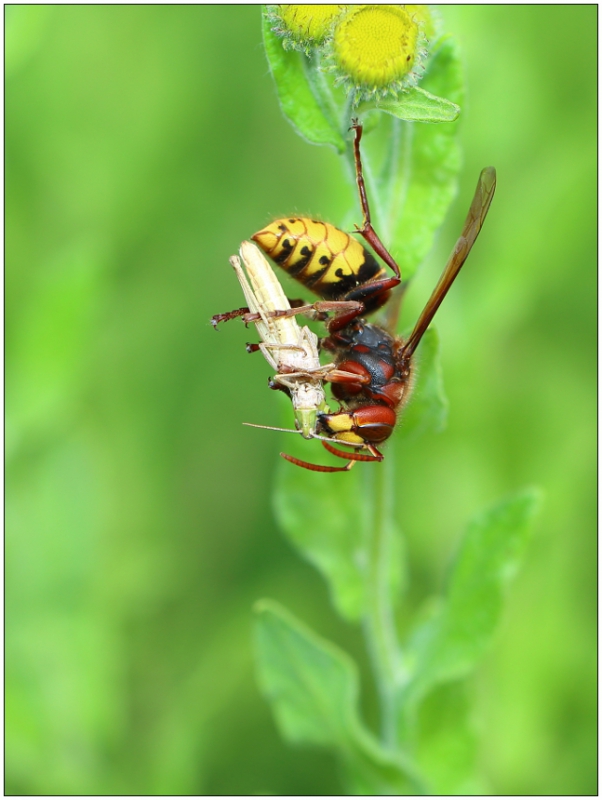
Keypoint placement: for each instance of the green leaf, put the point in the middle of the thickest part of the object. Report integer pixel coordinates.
(446, 741)
(313, 689)
(298, 86)
(418, 105)
(422, 180)
(449, 645)
(427, 407)
(326, 519)
(370, 770)
(333, 520)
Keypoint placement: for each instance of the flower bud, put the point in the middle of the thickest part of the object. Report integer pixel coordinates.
(303, 26)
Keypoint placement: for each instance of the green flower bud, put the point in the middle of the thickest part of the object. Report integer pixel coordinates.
(302, 27)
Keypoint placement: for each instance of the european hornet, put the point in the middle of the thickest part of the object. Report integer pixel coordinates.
(372, 368)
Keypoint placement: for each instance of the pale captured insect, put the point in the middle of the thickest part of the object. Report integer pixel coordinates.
(291, 350)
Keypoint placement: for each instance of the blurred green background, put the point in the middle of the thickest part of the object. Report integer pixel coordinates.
(143, 143)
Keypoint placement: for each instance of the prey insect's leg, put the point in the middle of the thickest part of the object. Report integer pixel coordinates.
(263, 347)
(278, 346)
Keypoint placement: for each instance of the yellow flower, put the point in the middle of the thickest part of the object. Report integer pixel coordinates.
(303, 26)
(379, 49)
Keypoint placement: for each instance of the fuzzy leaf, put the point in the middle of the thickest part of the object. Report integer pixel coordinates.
(423, 182)
(326, 518)
(418, 105)
(313, 688)
(427, 407)
(295, 83)
(446, 741)
(449, 645)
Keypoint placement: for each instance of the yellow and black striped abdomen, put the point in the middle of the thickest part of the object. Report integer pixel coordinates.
(327, 260)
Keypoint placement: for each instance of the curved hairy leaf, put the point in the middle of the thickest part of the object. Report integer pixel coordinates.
(446, 741)
(313, 689)
(299, 100)
(449, 645)
(418, 105)
(326, 518)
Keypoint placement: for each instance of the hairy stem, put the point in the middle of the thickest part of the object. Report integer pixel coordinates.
(379, 623)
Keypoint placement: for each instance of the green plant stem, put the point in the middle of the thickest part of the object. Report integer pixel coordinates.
(401, 174)
(346, 116)
(320, 88)
(379, 623)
